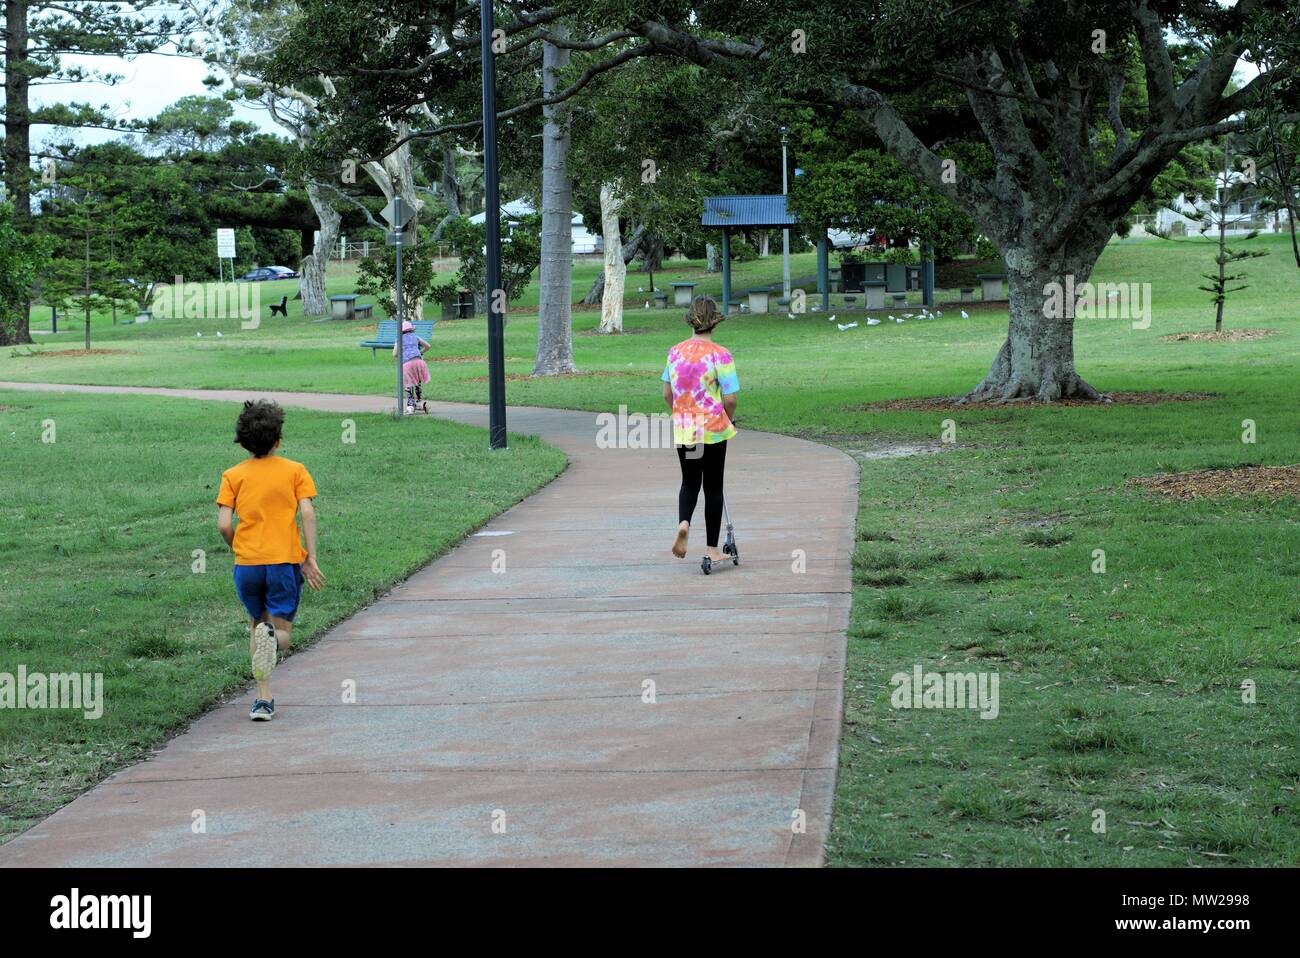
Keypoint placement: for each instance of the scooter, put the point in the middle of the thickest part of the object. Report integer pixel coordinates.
(728, 547)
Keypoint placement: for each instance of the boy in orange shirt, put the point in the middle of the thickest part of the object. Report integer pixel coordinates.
(266, 491)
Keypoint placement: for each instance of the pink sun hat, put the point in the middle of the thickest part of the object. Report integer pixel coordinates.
(408, 327)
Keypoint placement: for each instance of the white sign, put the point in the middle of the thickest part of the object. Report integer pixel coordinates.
(225, 244)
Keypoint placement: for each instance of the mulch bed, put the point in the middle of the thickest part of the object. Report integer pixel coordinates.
(626, 331)
(1271, 482)
(47, 353)
(1227, 336)
(954, 402)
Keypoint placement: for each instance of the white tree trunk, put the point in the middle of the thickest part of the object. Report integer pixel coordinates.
(764, 238)
(611, 303)
(712, 258)
(555, 306)
(312, 284)
(396, 175)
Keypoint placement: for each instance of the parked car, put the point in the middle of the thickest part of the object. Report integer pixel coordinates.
(263, 273)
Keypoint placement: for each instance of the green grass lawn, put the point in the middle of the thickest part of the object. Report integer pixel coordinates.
(1120, 691)
(98, 534)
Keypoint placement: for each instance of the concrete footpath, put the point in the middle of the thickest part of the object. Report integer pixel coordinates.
(500, 717)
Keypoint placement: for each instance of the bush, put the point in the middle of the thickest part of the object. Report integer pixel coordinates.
(741, 251)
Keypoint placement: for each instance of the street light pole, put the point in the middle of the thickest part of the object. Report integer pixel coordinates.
(785, 233)
(492, 231)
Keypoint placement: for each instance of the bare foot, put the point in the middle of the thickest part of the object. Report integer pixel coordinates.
(715, 555)
(679, 544)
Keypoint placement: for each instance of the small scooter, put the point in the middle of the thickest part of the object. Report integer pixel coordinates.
(728, 547)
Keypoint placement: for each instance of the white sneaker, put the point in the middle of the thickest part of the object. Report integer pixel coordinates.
(264, 650)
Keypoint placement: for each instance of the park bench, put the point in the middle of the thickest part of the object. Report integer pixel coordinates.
(364, 311)
(281, 307)
(661, 299)
(385, 336)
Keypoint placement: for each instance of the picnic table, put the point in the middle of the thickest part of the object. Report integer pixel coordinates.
(345, 306)
(758, 297)
(683, 293)
(991, 285)
(386, 334)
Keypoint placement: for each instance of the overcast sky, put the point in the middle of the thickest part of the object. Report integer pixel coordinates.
(149, 83)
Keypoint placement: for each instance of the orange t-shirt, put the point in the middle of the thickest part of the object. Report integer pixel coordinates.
(264, 494)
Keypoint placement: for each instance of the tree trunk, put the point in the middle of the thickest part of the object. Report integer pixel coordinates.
(395, 175)
(615, 274)
(764, 238)
(630, 249)
(555, 305)
(452, 194)
(17, 150)
(86, 290)
(1037, 359)
(712, 258)
(312, 284)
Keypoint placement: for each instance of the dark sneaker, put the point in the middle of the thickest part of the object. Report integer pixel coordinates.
(262, 711)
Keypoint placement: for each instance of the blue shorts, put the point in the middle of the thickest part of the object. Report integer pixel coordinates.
(273, 589)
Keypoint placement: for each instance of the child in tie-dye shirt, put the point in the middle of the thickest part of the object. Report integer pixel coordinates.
(701, 387)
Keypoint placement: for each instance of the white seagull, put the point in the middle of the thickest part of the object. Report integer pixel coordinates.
(875, 322)
(843, 327)
(965, 315)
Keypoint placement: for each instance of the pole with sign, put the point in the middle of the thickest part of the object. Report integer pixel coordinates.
(398, 215)
(226, 250)
(492, 229)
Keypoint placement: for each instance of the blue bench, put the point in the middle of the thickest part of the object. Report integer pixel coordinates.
(386, 334)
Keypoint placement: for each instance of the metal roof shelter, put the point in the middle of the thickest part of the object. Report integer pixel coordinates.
(755, 212)
(769, 211)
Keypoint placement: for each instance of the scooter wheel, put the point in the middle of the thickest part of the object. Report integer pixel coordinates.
(706, 564)
(735, 557)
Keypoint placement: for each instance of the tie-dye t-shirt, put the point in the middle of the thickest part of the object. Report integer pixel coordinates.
(700, 374)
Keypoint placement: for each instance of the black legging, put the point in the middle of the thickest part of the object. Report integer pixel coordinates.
(705, 463)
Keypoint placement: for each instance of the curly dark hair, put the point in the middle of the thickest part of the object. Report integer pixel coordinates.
(259, 426)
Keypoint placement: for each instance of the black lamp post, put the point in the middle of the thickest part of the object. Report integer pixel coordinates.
(492, 231)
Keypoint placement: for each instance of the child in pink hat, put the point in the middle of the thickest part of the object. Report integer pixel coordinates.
(415, 372)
